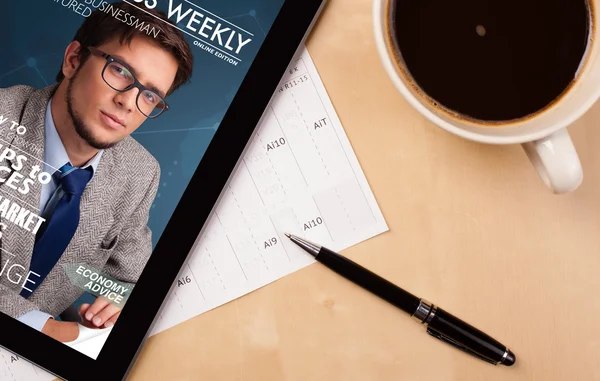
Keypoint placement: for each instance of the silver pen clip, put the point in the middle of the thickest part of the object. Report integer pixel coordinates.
(458, 345)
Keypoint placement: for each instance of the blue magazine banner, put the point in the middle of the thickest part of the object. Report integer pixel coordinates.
(223, 37)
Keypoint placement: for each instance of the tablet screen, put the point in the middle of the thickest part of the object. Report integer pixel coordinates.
(106, 109)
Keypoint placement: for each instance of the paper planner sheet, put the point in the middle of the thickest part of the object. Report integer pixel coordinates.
(299, 175)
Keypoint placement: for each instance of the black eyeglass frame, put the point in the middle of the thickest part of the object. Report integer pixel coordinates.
(136, 83)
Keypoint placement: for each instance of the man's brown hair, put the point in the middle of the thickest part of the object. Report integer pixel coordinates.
(101, 27)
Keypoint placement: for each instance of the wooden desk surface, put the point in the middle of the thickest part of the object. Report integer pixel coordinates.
(472, 228)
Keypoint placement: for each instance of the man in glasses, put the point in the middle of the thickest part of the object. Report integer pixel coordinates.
(96, 205)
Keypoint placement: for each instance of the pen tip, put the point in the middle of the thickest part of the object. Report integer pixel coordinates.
(288, 235)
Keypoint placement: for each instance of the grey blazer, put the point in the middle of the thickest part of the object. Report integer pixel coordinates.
(112, 235)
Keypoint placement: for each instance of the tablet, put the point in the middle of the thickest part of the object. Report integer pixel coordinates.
(120, 124)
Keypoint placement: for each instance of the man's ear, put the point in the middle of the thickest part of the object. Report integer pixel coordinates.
(71, 60)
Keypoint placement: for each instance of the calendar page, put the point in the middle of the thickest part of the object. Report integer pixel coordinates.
(300, 175)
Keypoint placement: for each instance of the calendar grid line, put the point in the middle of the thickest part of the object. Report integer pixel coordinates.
(339, 140)
(289, 144)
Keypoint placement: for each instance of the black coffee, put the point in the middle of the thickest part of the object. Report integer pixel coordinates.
(492, 60)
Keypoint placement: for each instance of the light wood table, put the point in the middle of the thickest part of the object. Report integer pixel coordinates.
(472, 228)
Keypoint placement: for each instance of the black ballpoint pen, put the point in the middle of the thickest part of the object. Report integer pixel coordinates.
(440, 324)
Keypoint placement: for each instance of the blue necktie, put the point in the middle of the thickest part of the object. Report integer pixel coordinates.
(60, 225)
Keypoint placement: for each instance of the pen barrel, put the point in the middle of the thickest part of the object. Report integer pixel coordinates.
(368, 280)
(453, 330)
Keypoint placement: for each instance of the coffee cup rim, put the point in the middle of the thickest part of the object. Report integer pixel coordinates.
(379, 14)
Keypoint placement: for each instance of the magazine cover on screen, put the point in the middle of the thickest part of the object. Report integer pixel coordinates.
(106, 109)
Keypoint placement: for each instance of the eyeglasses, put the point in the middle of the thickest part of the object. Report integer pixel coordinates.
(119, 76)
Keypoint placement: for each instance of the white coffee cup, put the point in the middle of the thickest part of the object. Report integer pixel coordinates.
(544, 136)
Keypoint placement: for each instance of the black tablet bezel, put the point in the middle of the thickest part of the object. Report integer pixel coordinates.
(123, 344)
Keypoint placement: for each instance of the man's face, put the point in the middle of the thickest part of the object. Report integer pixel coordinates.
(103, 116)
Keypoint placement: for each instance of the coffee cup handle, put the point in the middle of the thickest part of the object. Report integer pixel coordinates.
(556, 161)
